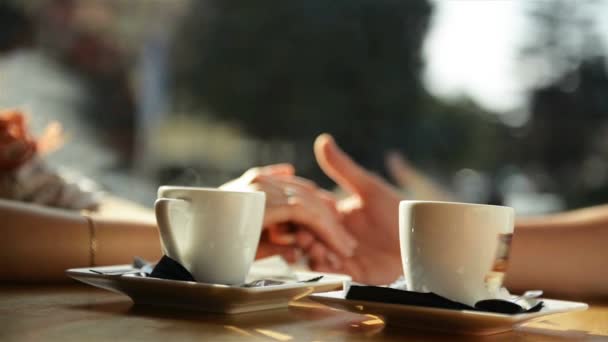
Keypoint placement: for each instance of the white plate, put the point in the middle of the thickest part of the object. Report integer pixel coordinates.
(205, 297)
(453, 321)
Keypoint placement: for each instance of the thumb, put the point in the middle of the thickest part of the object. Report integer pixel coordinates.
(255, 173)
(283, 169)
(336, 164)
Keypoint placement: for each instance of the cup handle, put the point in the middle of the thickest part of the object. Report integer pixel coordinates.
(163, 208)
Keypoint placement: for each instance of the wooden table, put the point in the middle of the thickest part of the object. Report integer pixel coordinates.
(81, 313)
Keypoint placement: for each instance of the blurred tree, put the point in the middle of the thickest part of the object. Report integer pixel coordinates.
(292, 69)
(566, 135)
(461, 134)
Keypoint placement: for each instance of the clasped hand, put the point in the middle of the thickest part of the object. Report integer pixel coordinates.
(357, 235)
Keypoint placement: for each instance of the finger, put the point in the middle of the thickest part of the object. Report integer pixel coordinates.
(311, 189)
(292, 180)
(304, 239)
(340, 167)
(289, 181)
(330, 200)
(266, 249)
(251, 175)
(320, 256)
(328, 230)
(275, 196)
(302, 189)
(317, 253)
(335, 234)
(275, 169)
(281, 183)
(290, 255)
(327, 211)
(305, 185)
(333, 260)
(322, 223)
(322, 267)
(306, 207)
(281, 235)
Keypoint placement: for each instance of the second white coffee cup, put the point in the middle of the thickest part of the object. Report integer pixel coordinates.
(213, 233)
(456, 250)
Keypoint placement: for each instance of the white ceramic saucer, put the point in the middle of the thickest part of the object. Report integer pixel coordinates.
(205, 297)
(453, 321)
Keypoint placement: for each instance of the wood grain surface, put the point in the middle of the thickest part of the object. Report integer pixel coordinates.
(81, 313)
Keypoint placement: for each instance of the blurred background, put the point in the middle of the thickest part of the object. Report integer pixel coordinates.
(488, 101)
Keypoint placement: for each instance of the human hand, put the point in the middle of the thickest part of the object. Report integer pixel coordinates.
(370, 214)
(297, 211)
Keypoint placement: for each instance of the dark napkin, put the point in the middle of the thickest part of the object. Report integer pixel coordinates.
(167, 268)
(432, 300)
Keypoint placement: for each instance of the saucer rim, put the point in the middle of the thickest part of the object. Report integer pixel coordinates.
(328, 280)
(517, 318)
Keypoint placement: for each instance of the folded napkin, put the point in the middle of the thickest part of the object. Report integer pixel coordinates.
(167, 268)
(265, 272)
(432, 300)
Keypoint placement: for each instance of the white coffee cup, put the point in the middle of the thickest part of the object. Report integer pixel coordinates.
(213, 233)
(456, 250)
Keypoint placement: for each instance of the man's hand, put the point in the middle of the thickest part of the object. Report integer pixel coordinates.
(370, 214)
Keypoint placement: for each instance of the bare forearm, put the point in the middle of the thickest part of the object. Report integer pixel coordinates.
(38, 244)
(119, 241)
(563, 254)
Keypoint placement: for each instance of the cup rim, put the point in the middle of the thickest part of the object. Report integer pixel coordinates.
(207, 189)
(457, 203)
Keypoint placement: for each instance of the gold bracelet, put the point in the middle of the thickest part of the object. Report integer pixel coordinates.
(92, 239)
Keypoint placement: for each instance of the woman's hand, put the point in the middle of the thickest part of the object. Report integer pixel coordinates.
(297, 213)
